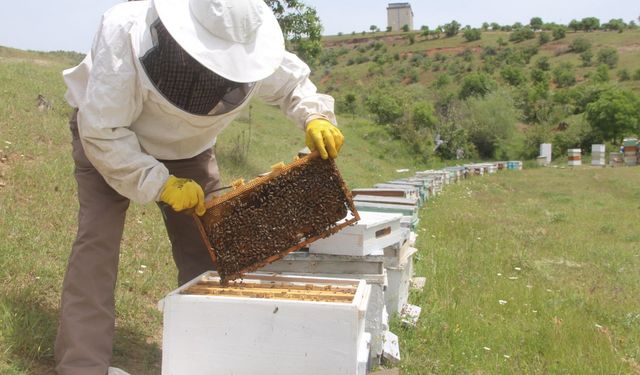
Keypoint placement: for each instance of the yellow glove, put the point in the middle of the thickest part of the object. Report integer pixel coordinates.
(182, 194)
(324, 137)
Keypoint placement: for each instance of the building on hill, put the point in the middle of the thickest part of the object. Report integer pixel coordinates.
(398, 15)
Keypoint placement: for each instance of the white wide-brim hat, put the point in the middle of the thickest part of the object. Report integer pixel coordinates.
(237, 39)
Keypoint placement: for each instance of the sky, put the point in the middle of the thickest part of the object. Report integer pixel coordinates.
(45, 25)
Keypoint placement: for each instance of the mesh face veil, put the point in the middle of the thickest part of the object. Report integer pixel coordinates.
(181, 79)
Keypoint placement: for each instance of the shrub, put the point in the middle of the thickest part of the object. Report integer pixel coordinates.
(559, 32)
(623, 75)
(476, 84)
(472, 35)
(543, 64)
(544, 38)
(602, 74)
(564, 75)
(539, 76)
(586, 57)
(405, 28)
(580, 45)
(442, 81)
(423, 116)
(608, 56)
(636, 75)
(522, 34)
(513, 76)
(452, 28)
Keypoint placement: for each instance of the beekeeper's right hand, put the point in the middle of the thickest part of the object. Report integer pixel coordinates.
(182, 194)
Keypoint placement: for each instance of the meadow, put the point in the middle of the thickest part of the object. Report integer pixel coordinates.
(530, 272)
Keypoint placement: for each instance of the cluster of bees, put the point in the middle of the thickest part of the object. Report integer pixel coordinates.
(270, 220)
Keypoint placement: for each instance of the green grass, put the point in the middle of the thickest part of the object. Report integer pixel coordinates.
(560, 246)
(570, 231)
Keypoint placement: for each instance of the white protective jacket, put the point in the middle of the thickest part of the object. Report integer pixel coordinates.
(126, 125)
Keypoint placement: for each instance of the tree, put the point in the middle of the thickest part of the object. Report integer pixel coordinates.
(536, 23)
(485, 26)
(387, 108)
(490, 121)
(374, 28)
(608, 56)
(425, 32)
(452, 28)
(472, 35)
(476, 84)
(300, 25)
(615, 114)
(405, 28)
(437, 32)
(615, 25)
(495, 26)
(590, 24)
(575, 25)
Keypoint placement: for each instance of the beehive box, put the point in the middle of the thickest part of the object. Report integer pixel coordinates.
(409, 213)
(399, 282)
(368, 268)
(399, 193)
(266, 324)
(370, 235)
(275, 214)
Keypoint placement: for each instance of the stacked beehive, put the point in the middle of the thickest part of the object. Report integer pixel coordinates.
(598, 155)
(574, 157)
(321, 309)
(630, 150)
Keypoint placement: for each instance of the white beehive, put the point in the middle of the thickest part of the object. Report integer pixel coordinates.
(372, 233)
(268, 324)
(574, 156)
(598, 155)
(368, 268)
(399, 283)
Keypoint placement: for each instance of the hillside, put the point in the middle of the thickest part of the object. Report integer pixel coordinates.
(572, 307)
(384, 76)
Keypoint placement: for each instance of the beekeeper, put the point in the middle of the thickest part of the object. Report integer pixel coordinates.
(163, 79)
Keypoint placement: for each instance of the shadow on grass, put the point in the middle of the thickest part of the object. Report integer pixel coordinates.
(27, 332)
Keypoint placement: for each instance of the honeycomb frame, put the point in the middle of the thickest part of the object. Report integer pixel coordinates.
(216, 213)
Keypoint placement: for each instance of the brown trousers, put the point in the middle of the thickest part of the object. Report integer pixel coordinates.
(84, 342)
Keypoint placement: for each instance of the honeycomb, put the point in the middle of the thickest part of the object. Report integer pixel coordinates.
(274, 290)
(274, 215)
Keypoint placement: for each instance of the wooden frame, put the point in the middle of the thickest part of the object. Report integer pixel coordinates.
(246, 189)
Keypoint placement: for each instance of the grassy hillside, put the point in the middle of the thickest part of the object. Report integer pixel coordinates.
(390, 77)
(350, 70)
(571, 233)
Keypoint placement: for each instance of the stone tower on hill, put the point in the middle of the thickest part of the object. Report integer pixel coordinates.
(398, 15)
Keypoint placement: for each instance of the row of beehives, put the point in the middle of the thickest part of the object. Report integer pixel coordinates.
(320, 310)
(380, 248)
(629, 155)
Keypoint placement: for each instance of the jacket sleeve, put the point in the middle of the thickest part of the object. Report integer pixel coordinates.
(112, 101)
(290, 88)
